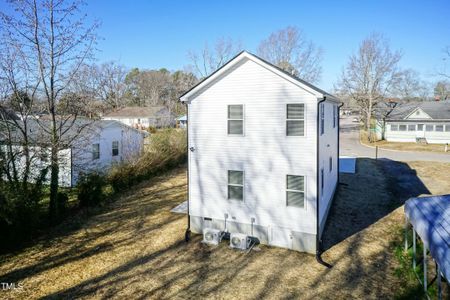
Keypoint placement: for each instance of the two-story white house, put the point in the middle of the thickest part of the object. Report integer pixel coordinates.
(263, 154)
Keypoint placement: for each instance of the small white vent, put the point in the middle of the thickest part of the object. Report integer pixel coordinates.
(211, 236)
(239, 241)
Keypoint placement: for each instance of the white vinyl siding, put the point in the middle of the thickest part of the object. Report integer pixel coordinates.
(295, 123)
(295, 191)
(335, 115)
(235, 185)
(235, 119)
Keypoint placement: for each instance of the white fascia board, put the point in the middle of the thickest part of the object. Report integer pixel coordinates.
(246, 55)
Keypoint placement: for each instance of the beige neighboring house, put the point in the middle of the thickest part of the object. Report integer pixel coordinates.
(143, 117)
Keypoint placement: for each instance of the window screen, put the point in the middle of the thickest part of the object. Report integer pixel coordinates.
(236, 119)
(394, 127)
(447, 128)
(331, 164)
(295, 191)
(411, 127)
(235, 185)
(402, 127)
(95, 151)
(439, 128)
(419, 127)
(295, 123)
(115, 148)
(429, 128)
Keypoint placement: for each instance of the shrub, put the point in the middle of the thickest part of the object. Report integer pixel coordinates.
(62, 201)
(90, 189)
(152, 130)
(167, 149)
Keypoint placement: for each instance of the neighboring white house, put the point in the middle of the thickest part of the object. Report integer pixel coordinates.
(95, 146)
(143, 117)
(182, 122)
(263, 154)
(425, 121)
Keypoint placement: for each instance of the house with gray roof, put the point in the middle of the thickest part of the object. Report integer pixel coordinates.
(427, 121)
(143, 117)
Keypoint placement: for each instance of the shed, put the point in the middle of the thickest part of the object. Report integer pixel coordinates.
(430, 219)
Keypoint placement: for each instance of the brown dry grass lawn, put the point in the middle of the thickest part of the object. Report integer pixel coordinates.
(134, 249)
(438, 148)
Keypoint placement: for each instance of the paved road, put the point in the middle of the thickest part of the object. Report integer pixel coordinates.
(350, 146)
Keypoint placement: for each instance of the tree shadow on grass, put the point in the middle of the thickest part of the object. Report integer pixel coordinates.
(374, 191)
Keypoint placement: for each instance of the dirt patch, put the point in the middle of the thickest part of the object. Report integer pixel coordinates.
(135, 249)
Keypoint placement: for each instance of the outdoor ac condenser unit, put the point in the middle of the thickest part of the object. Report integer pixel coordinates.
(211, 236)
(239, 241)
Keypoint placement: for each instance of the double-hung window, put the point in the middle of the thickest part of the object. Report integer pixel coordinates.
(295, 191)
(295, 119)
(331, 163)
(439, 128)
(394, 127)
(95, 151)
(235, 185)
(402, 127)
(429, 127)
(447, 128)
(115, 148)
(411, 127)
(236, 119)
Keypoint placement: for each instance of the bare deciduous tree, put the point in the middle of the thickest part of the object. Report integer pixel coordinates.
(54, 42)
(371, 74)
(290, 50)
(209, 59)
(411, 87)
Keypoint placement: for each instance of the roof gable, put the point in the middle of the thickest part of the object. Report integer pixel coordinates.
(239, 59)
(418, 113)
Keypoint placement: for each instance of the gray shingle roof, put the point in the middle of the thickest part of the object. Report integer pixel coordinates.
(436, 110)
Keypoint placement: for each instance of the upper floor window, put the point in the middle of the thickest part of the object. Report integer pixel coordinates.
(322, 118)
(235, 185)
(115, 148)
(95, 151)
(295, 191)
(295, 119)
(236, 119)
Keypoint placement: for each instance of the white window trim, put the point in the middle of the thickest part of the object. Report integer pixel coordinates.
(112, 148)
(243, 121)
(286, 120)
(305, 203)
(95, 158)
(239, 185)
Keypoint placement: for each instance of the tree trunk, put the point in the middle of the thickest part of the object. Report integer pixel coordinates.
(54, 185)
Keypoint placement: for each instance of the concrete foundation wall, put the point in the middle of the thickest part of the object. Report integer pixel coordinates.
(294, 240)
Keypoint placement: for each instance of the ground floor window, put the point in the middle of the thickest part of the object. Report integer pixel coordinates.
(95, 151)
(295, 191)
(235, 185)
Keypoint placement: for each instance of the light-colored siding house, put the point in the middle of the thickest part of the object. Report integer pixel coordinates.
(182, 122)
(263, 154)
(95, 146)
(426, 121)
(143, 117)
